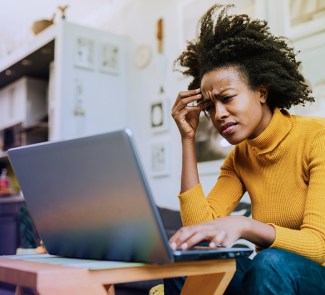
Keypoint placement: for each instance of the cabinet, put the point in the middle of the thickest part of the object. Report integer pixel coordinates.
(79, 74)
(23, 101)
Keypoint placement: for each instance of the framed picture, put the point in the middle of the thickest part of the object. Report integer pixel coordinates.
(85, 53)
(109, 61)
(159, 115)
(160, 159)
(211, 147)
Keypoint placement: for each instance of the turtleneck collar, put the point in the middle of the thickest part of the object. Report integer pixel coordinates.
(275, 131)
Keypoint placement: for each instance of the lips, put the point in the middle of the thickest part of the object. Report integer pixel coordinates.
(227, 128)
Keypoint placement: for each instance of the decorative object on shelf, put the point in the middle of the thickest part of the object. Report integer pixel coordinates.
(142, 56)
(160, 35)
(4, 184)
(40, 25)
(62, 10)
(160, 159)
(161, 57)
(85, 53)
(109, 58)
(159, 115)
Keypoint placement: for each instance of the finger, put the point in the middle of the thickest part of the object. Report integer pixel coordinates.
(178, 114)
(184, 111)
(185, 94)
(186, 102)
(195, 239)
(191, 100)
(187, 237)
(181, 236)
(188, 93)
(218, 240)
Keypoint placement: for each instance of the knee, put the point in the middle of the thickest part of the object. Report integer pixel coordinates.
(265, 271)
(269, 263)
(269, 259)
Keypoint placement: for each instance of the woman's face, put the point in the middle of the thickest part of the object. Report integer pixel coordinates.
(236, 111)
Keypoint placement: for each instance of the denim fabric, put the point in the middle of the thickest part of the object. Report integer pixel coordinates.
(272, 271)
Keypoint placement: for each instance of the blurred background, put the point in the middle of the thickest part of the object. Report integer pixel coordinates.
(72, 68)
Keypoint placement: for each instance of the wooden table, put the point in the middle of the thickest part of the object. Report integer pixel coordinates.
(204, 277)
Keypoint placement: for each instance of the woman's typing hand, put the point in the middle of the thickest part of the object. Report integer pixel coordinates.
(223, 231)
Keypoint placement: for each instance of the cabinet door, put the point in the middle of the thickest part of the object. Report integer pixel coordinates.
(4, 108)
(12, 105)
(16, 102)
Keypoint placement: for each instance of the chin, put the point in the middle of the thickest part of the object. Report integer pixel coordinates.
(234, 140)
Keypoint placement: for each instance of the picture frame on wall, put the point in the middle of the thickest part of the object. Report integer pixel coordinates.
(109, 58)
(160, 159)
(85, 53)
(159, 115)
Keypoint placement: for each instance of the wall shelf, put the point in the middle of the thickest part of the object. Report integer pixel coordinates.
(59, 57)
(32, 59)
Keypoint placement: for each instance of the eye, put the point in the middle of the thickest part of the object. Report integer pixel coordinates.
(210, 107)
(227, 98)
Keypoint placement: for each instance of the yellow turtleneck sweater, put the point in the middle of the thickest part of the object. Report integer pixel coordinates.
(283, 170)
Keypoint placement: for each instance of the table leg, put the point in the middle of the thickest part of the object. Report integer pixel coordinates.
(209, 284)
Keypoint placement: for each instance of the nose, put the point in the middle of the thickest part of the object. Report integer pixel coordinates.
(221, 112)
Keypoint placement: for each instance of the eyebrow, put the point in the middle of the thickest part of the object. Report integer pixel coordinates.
(215, 95)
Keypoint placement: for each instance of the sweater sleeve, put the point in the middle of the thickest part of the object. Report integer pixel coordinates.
(309, 240)
(222, 199)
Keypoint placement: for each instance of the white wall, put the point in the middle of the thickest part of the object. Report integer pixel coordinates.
(139, 24)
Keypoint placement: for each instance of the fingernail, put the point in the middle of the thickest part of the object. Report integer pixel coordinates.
(212, 245)
(184, 246)
(173, 246)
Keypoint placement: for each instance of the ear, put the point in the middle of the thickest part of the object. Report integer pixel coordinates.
(263, 92)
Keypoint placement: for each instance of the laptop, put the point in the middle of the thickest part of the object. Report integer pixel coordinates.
(89, 198)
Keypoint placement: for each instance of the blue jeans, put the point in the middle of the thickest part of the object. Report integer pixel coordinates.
(272, 271)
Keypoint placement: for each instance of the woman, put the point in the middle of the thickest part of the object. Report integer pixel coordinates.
(243, 78)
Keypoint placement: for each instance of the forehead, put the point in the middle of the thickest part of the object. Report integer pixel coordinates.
(223, 78)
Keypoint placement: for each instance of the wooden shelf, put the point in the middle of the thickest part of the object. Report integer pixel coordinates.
(3, 155)
(11, 199)
(31, 60)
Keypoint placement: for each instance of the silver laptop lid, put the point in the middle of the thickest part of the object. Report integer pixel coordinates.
(89, 199)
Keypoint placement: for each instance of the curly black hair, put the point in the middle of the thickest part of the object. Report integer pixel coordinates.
(237, 40)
